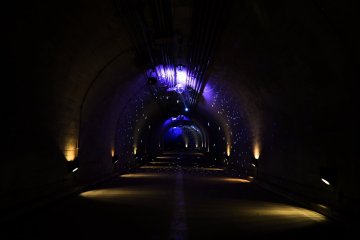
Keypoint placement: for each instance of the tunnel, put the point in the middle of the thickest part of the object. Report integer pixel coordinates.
(180, 119)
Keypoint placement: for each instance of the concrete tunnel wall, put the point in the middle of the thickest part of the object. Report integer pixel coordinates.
(293, 65)
(60, 51)
(293, 72)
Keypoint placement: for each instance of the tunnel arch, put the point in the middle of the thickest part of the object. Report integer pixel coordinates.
(181, 125)
(283, 61)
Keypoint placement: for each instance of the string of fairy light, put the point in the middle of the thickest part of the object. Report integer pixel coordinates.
(231, 122)
(235, 135)
(128, 136)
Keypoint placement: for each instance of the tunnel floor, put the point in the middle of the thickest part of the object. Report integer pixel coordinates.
(173, 202)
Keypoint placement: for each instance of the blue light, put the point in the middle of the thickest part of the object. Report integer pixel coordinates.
(174, 133)
(186, 109)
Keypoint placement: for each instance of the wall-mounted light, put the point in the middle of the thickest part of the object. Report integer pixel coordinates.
(328, 175)
(73, 166)
(186, 109)
(254, 162)
(325, 181)
(115, 159)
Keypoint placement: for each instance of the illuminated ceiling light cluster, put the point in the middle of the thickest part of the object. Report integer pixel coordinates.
(181, 75)
(174, 78)
(179, 88)
(156, 47)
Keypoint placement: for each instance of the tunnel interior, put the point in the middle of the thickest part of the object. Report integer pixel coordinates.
(259, 88)
(180, 111)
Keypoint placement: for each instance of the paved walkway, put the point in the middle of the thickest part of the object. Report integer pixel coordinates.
(174, 203)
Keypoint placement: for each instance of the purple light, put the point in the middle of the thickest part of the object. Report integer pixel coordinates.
(166, 75)
(169, 74)
(177, 80)
(171, 120)
(186, 109)
(181, 75)
(179, 88)
(209, 93)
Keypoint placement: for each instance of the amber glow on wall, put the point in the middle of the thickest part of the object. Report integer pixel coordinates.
(70, 151)
(228, 148)
(256, 150)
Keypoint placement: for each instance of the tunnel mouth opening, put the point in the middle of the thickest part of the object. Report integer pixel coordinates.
(183, 142)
